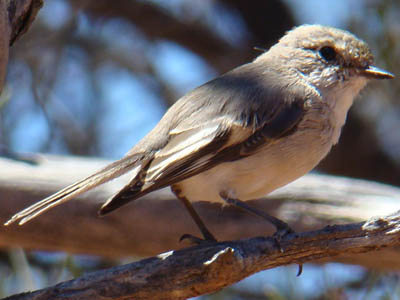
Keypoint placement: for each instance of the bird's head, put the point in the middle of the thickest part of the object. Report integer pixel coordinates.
(328, 58)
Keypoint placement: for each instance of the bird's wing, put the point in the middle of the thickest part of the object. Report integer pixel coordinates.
(197, 149)
(224, 120)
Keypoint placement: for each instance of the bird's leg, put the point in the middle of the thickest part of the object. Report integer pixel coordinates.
(282, 228)
(207, 235)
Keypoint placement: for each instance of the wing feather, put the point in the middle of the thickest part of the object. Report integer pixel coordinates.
(196, 150)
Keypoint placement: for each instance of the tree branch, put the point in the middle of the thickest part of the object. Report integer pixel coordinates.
(139, 228)
(15, 19)
(21, 14)
(208, 268)
(157, 23)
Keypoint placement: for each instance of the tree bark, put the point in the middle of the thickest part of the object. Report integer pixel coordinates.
(21, 14)
(15, 19)
(210, 267)
(5, 31)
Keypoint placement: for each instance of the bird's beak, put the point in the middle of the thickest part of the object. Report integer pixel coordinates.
(376, 73)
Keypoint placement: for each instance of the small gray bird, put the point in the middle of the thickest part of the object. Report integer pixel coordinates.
(246, 133)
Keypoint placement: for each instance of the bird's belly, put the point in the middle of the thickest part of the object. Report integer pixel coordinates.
(259, 174)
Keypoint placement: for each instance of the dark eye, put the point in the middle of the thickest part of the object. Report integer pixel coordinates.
(328, 53)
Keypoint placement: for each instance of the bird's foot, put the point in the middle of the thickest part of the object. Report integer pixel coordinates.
(279, 235)
(282, 228)
(281, 232)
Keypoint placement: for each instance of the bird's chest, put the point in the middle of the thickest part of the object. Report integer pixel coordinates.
(279, 163)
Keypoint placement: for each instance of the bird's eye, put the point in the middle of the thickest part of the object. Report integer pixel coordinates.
(328, 53)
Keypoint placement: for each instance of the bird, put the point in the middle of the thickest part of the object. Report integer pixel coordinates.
(245, 133)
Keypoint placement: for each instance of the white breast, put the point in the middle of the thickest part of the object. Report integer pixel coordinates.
(273, 166)
(341, 102)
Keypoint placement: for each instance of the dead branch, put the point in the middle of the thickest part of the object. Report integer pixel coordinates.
(21, 14)
(5, 32)
(140, 227)
(208, 268)
(15, 19)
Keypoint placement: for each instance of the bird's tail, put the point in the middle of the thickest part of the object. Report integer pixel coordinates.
(108, 173)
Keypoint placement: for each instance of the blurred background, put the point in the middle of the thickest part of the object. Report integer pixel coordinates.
(91, 78)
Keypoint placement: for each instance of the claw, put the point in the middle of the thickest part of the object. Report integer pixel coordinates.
(300, 270)
(278, 236)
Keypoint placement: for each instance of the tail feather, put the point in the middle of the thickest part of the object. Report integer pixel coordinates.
(127, 194)
(132, 191)
(108, 173)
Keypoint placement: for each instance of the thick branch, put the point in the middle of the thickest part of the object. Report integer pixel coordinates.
(208, 268)
(139, 228)
(21, 14)
(15, 19)
(5, 31)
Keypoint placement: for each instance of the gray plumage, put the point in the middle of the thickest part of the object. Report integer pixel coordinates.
(249, 131)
